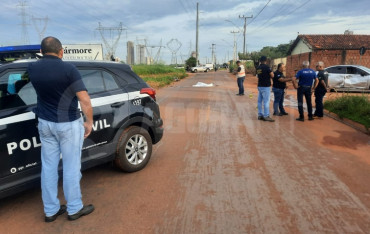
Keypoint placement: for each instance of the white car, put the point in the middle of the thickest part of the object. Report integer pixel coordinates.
(349, 77)
(200, 69)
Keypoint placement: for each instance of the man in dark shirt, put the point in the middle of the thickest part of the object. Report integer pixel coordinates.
(265, 75)
(320, 90)
(59, 87)
(278, 87)
(305, 86)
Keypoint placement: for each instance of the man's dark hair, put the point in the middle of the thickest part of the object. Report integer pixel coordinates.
(51, 45)
(279, 65)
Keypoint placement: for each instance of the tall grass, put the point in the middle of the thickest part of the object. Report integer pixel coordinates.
(356, 108)
(159, 75)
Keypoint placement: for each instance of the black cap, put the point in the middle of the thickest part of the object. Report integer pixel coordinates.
(263, 59)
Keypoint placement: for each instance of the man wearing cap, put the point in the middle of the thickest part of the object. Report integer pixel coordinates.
(265, 75)
(305, 86)
(240, 77)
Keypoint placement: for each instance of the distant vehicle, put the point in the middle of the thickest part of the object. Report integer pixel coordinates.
(348, 77)
(200, 69)
(210, 66)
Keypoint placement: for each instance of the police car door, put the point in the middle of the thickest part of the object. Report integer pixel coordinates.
(19, 139)
(108, 101)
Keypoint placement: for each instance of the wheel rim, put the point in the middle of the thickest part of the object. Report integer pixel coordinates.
(136, 149)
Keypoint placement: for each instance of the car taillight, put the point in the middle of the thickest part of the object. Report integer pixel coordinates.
(149, 91)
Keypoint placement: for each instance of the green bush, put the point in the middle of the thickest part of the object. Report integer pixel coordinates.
(356, 108)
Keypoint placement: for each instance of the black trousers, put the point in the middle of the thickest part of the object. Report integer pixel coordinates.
(306, 92)
(319, 96)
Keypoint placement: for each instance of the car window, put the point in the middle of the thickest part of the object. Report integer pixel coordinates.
(353, 71)
(337, 70)
(97, 81)
(16, 90)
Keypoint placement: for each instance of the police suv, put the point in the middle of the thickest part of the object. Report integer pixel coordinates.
(127, 122)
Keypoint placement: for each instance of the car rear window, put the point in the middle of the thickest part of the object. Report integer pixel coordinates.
(97, 81)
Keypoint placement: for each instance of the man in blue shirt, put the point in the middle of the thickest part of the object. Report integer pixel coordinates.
(305, 86)
(59, 87)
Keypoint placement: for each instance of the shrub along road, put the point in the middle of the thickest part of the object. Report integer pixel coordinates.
(220, 170)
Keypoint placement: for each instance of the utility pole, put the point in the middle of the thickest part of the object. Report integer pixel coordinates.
(111, 46)
(22, 5)
(40, 21)
(235, 55)
(197, 36)
(213, 53)
(245, 29)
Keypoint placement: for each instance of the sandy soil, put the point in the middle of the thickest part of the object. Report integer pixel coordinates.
(220, 170)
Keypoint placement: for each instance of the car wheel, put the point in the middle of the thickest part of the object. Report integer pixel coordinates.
(195, 71)
(206, 70)
(133, 150)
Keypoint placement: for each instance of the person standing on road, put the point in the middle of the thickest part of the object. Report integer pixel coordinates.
(240, 77)
(265, 75)
(278, 87)
(305, 77)
(59, 87)
(320, 90)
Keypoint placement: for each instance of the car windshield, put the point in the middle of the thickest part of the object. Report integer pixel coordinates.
(365, 69)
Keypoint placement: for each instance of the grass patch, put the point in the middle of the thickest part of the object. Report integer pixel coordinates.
(355, 108)
(159, 75)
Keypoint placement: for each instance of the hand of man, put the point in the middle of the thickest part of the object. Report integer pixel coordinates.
(88, 129)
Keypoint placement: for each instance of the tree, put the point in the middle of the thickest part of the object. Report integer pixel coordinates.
(191, 62)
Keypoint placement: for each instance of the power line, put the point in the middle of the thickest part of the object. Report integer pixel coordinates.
(283, 17)
(278, 11)
(259, 12)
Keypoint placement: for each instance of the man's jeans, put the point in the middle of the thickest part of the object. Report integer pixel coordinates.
(264, 99)
(61, 139)
(306, 91)
(319, 96)
(278, 100)
(240, 81)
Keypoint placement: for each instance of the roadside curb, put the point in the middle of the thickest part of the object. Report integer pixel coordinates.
(348, 122)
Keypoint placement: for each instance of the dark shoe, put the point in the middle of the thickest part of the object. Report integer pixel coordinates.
(310, 118)
(260, 118)
(61, 210)
(84, 211)
(268, 119)
(283, 113)
(278, 114)
(300, 119)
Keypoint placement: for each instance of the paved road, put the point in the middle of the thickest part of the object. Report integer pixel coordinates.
(220, 170)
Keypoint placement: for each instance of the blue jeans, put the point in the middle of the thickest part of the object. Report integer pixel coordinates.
(240, 81)
(264, 100)
(278, 100)
(61, 139)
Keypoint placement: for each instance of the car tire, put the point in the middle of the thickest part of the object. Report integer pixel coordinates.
(195, 71)
(134, 149)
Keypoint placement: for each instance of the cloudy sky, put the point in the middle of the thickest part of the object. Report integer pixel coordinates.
(159, 22)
